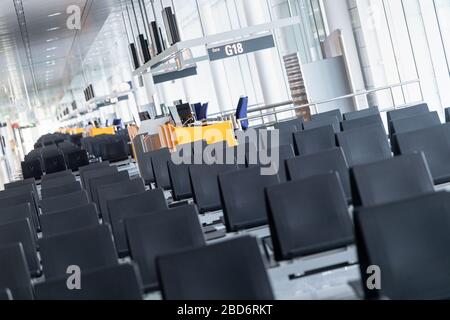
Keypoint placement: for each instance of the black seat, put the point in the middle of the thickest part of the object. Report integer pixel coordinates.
(243, 198)
(399, 178)
(372, 111)
(57, 182)
(414, 123)
(20, 183)
(20, 232)
(365, 145)
(328, 114)
(161, 233)
(434, 142)
(180, 181)
(73, 219)
(309, 216)
(231, 270)
(17, 213)
(205, 185)
(57, 175)
(314, 140)
(121, 282)
(286, 137)
(323, 122)
(31, 168)
(14, 273)
(115, 191)
(362, 122)
(145, 165)
(132, 206)
(332, 160)
(76, 159)
(96, 183)
(101, 172)
(411, 233)
(89, 249)
(53, 162)
(92, 166)
(61, 190)
(64, 202)
(297, 123)
(160, 169)
(13, 197)
(405, 113)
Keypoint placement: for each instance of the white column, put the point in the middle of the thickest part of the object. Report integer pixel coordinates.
(218, 73)
(338, 17)
(267, 62)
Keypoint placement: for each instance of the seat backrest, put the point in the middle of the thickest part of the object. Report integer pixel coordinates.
(180, 181)
(10, 198)
(399, 178)
(58, 181)
(73, 219)
(64, 202)
(205, 185)
(314, 140)
(309, 216)
(361, 113)
(92, 166)
(132, 206)
(411, 233)
(54, 162)
(57, 175)
(230, 270)
(20, 183)
(405, 113)
(17, 213)
(101, 172)
(145, 165)
(243, 198)
(115, 191)
(286, 137)
(332, 160)
(15, 274)
(362, 122)
(326, 121)
(160, 169)
(414, 123)
(120, 282)
(76, 159)
(434, 143)
(332, 113)
(61, 190)
(97, 182)
(20, 232)
(31, 168)
(161, 233)
(297, 123)
(89, 249)
(365, 145)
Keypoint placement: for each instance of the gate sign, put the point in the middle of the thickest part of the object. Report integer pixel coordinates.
(242, 47)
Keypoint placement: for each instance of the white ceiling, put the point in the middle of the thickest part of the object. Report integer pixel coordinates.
(40, 75)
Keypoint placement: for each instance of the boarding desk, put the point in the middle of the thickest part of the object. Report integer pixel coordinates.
(172, 136)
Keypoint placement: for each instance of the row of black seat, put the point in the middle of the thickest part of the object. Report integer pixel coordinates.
(113, 148)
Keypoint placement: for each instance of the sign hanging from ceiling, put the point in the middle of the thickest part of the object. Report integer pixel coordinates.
(238, 48)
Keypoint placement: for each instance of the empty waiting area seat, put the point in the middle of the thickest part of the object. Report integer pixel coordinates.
(395, 179)
(362, 122)
(314, 140)
(405, 113)
(120, 282)
(332, 160)
(365, 145)
(64, 202)
(297, 123)
(17, 213)
(14, 273)
(326, 121)
(361, 113)
(98, 182)
(231, 270)
(435, 144)
(415, 123)
(89, 249)
(309, 216)
(61, 190)
(328, 114)
(408, 241)
(131, 206)
(243, 198)
(161, 233)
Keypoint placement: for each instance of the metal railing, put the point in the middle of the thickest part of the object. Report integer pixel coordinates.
(273, 110)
